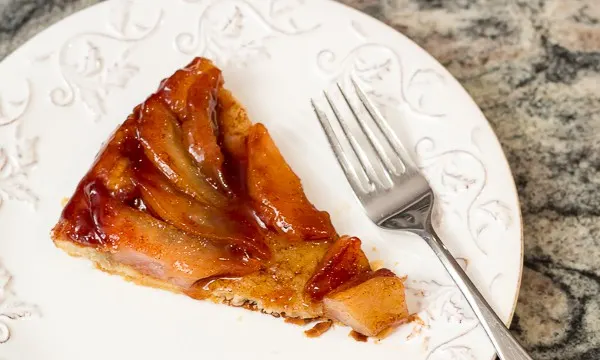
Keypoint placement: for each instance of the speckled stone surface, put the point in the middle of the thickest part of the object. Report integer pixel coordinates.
(533, 66)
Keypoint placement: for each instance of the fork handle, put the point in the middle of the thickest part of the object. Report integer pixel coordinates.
(507, 347)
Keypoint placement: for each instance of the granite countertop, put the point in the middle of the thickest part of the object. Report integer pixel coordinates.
(533, 66)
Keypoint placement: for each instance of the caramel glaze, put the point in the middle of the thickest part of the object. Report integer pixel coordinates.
(134, 170)
(123, 166)
(343, 262)
(89, 204)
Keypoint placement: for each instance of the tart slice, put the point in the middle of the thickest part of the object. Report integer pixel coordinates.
(188, 195)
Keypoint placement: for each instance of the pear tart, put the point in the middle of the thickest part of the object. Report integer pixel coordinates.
(188, 195)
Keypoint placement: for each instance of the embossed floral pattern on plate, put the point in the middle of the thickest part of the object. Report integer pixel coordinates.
(11, 307)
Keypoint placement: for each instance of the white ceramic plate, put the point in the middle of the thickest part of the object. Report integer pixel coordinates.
(64, 92)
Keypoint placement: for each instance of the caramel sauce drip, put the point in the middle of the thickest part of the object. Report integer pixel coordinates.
(358, 336)
(319, 329)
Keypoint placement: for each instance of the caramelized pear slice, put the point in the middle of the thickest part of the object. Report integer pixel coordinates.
(200, 129)
(230, 225)
(234, 124)
(161, 139)
(370, 305)
(277, 192)
(343, 261)
(174, 90)
(160, 250)
(191, 93)
(114, 170)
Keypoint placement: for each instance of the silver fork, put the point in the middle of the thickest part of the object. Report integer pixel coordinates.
(405, 203)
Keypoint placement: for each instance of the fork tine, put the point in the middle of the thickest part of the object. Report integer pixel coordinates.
(358, 151)
(347, 167)
(385, 128)
(387, 163)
